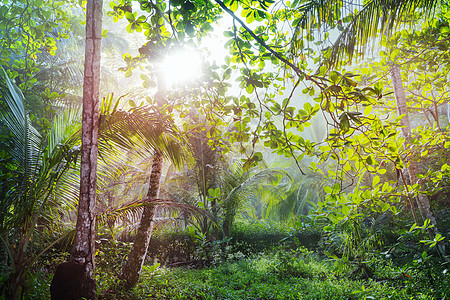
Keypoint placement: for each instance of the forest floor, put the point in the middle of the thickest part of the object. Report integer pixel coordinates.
(284, 275)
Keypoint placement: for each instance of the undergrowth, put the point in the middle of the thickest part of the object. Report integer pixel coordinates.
(292, 274)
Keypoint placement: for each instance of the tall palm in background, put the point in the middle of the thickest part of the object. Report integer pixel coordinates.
(240, 185)
(301, 195)
(286, 199)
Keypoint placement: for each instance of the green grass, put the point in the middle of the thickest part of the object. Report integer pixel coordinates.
(277, 276)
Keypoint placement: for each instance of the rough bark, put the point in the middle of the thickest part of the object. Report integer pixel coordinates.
(413, 169)
(132, 268)
(83, 249)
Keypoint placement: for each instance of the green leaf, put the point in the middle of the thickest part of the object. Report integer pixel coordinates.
(345, 210)
(375, 180)
(424, 255)
(250, 18)
(228, 34)
(234, 5)
(327, 189)
(344, 124)
(215, 193)
(334, 76)
(130, 16)
(394, 210)
(189, 28)
(188, 6)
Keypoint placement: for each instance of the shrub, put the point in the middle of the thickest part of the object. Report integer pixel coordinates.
(175, 246)
(167, 247)
(261, 237)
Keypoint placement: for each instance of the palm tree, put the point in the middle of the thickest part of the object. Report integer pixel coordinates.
(148, 131)
(221, 188)
(39, 181)
(132, 268)
(239, 185)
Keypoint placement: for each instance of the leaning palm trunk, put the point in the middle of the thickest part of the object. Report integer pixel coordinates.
(422, 200)
(132, 268)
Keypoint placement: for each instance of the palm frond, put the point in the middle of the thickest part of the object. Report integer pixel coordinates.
(130, 212)
(373, 18)
(304, 190)
(40, 162)
(25, 142)
(65, 129)
(182, 186)
(316, 13)
(249, 188)
(63, 71)
(377, 16)
(25, 138)
(143, 129)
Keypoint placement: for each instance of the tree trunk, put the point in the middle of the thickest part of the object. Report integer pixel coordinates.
(132, 268)
(83, 251)
(422, 199)
(16, 277)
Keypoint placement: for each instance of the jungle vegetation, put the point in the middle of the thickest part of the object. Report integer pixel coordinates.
(237, 149)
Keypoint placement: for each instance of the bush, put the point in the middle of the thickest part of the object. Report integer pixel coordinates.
(169, 246)
(261, 237)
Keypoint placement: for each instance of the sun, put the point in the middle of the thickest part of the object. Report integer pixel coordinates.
(182, 67)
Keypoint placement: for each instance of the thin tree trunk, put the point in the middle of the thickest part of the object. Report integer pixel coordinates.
(422, 200)
(84, 245)
(132, 268)
(16, 278)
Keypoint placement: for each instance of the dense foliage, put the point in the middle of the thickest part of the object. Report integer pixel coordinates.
(312, 161)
